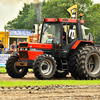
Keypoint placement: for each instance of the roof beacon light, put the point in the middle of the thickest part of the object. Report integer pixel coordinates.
(81, 16)
(43, 19)
(56, 19)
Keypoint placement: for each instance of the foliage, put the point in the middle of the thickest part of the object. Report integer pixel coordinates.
(92, 20)
(25, 19)
(91, 13)
(58, 8)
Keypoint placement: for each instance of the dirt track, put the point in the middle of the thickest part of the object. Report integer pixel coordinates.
(60, 93)
(28, 77)
(48, 93)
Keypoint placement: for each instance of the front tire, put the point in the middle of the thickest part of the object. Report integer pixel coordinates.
(44, 66)
(13, 70)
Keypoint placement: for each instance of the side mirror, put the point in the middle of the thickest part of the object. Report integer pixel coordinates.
(89, 37)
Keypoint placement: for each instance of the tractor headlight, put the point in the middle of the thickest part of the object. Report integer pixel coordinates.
(26, 49)
(21, 49)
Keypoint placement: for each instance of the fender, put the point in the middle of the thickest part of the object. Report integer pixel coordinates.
(81, 41)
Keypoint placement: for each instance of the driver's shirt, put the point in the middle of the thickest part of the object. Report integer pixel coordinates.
(64, 34)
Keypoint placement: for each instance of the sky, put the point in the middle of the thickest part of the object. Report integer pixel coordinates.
(9, 9)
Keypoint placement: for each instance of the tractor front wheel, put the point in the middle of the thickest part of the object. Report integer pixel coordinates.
(44, 66)
(13, 70)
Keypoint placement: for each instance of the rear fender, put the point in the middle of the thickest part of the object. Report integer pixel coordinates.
(81, 42)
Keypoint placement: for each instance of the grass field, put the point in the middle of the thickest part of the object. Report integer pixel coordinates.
(3, 70)
(49, 82)
(46, 82)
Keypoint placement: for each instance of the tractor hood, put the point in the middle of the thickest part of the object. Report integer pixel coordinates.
(29, 51)
(35, 45)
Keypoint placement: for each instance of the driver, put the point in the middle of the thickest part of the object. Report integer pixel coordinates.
(64, 36)
(44, 37)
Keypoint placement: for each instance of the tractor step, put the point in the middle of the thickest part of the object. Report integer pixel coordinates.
(64, 64)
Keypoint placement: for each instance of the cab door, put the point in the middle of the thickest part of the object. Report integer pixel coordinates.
(71, 38)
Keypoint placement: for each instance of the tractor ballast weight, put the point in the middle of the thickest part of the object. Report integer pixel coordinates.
(53, 57)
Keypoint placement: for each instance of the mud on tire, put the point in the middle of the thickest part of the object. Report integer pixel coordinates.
(12, 70)
(44, 66)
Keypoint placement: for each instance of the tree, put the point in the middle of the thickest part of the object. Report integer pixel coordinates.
(91, 13)
(92, 20)
(58, 8)
(25, 19)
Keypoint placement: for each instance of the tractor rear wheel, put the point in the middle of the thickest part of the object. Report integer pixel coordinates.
(13, 70)
(44, 66)
(73, 68)
(84, 63)
(89, 63)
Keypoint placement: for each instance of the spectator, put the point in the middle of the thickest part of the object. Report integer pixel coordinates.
(5, 49)
(18, 45)
(34, 40)
(24, 41)
(1, 47)
(13, 47)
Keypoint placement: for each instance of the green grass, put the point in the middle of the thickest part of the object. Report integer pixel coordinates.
(45, 82)
(48, 82)
(2, 70)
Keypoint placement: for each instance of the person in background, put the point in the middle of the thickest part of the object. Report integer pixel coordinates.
(34, 40)
(24, 41)
(5, 49)
(18, 45)
(1, 47)
(13, 47)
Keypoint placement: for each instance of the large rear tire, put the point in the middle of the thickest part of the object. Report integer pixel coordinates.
(13, 70)
(84, 63)
(73, 68)
(89, 63)
(44, 66)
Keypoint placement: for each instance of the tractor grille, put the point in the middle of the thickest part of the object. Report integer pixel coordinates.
(23, 45)
(23, 54)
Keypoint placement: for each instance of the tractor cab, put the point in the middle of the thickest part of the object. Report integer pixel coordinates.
(53, 31)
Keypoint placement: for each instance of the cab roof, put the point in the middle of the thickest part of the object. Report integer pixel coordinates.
(62, 20)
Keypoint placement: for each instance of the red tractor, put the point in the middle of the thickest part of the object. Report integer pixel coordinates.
(54, 57)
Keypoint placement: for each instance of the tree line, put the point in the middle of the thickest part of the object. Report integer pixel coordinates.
(58, 9)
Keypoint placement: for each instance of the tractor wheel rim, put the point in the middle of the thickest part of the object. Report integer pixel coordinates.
(20, 70)
(46, 67)
(93, 63)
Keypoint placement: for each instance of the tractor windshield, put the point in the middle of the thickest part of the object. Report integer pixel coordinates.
(51, 33)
